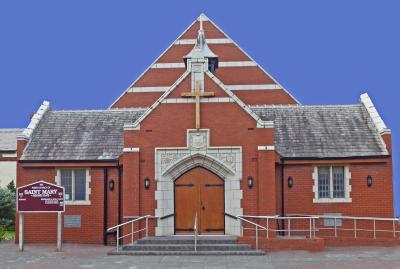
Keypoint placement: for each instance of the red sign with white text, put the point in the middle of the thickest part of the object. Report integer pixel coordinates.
(40, 196)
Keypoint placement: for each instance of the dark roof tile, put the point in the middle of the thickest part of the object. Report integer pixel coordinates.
(80, 135)
(322, 131)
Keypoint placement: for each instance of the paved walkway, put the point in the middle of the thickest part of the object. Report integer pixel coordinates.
(89, 256)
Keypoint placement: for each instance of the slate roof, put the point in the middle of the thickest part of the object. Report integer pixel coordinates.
(80, 135)
(322, 131)
(8, 139)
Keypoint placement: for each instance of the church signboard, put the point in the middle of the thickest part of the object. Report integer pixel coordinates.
(40, 196)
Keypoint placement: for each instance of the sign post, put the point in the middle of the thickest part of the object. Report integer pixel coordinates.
(21, 231)
(40, 197)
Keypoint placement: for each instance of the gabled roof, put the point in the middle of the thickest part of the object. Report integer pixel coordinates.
(215, 38)
(79, 135)
(8, 139)
(339, 131)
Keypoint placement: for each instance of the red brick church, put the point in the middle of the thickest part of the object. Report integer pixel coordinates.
(205, 131)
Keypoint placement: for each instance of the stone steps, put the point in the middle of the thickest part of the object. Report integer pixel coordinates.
(187, 247)
(189, 253)
(184, 245)
(189, 240)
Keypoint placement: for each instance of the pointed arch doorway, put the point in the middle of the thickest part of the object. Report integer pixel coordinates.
(201, 191)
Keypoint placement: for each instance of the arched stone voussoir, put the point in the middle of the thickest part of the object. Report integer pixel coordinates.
(198, 159)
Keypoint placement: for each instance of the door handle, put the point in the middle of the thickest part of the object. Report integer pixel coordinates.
(203, 208)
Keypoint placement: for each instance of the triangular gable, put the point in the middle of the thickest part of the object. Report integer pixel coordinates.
(218, 41)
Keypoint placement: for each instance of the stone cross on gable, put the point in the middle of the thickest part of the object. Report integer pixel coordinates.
(197, 93)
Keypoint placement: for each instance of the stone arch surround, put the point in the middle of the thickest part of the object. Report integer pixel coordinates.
(170, 163)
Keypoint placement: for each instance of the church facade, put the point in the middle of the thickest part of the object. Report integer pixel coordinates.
(205, 131)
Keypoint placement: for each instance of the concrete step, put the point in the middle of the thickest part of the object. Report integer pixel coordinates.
(187, 240)
(191, 253)
(186, 247)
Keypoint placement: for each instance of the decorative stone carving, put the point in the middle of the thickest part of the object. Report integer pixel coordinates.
(229, 159)
(168, 158)
(198, 140)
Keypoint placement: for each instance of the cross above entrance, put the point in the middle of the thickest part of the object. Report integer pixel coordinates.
(197, 94)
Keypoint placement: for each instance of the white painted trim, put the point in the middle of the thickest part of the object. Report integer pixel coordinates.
(26, 134)
(148, 89)
(373, 113)
(216, 26)
(9, 155)
(131, 150)
(237, 64)
(229, 87)
(347, 186)
(220, 64)
(202, 17)
(266, 147)
(375, 119)
(329, 200)
(202, 100)
(168, 65)
(253, 87)
(131, 127)
(208, 40)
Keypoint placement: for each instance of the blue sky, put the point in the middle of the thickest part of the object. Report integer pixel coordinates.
(83, 54)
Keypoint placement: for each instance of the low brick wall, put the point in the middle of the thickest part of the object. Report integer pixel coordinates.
(350, 242)
(277, 244)
(315, 244)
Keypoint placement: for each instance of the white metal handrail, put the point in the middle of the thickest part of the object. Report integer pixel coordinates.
(257, 226)
(355, 229)
(195, 228)
(313, 228)
(289, 231)
(133, 232)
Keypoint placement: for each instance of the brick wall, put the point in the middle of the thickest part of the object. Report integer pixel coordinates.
(223, 132)
(376, 200)
(42, 227)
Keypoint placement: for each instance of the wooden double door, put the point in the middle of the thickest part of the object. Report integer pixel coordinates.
(201, 191)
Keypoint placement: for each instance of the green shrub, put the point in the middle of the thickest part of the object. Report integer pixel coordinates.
(2, 233)
(7, 207)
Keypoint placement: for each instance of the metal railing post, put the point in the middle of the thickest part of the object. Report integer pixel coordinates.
(117, 239)
(355, 228)
(267, 228)
(374, 229)
(394, 229)
(133, 229)
(314, 227)
(195, 232)
(289, 233)
(147, 226)
(257, 237)
(335, 227)
(310, 227)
